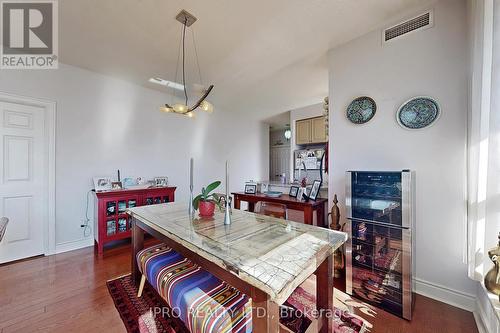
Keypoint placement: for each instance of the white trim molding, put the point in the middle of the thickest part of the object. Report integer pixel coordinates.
(74, 245)
(444, 294)
(50, 108)
(487, 311)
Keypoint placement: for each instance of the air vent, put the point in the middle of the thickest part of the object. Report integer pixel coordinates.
(418, 23)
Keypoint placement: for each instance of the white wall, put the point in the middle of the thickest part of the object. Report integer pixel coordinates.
(434, 63)
(104, 124)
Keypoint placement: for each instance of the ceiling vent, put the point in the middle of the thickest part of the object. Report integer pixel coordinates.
(421, 22)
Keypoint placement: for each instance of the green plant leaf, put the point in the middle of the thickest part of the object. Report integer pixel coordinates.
(216, 200)
(212, 187)
(196, 201)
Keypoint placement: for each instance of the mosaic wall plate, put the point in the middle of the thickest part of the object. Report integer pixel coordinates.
(361, 110)
(418, 112)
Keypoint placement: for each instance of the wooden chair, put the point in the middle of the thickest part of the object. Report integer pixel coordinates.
(271, 209)
(3, 226)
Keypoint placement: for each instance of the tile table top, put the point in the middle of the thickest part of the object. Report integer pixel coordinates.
(273, 255)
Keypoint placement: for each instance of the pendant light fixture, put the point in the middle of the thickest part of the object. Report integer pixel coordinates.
(288, 134)
(187, 20)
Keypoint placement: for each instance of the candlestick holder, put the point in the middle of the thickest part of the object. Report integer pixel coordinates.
(227, 213)
(191, 208)
(191, 186)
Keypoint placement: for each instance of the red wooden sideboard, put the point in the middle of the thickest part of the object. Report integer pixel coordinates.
(111, 221)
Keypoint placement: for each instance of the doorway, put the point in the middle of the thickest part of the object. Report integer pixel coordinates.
(27, 176)
(279, 148)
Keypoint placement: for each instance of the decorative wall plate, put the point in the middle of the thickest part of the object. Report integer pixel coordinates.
(417, 113)
(361, 110)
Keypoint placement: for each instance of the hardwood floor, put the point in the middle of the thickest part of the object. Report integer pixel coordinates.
(68, 293)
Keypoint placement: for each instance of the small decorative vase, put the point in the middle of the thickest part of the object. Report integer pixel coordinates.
(335, 225)
(492, 278)
(207, 208)
(339, 262)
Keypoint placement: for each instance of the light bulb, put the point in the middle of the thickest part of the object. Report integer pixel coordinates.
(207, 106)
(180, 108)
(190, 114)
(288, 134)
(166, 110)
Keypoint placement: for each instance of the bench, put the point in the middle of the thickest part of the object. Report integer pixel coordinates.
(203, 302)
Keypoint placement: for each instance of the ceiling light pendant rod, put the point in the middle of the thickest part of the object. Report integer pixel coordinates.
(196, 55)
(184, 59)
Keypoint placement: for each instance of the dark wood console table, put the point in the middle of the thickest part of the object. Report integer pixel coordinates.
(111, 220)
(308, 207)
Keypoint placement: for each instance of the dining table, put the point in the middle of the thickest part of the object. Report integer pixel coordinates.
(264, 257)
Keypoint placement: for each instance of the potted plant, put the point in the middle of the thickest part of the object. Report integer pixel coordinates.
(206, 201)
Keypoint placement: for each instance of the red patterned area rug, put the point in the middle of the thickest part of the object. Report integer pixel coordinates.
(138, 314)
(344, 321)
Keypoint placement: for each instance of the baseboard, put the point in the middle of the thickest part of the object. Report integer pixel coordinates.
(486, 312)
(74, 245)
(446, 295)
(480, 318)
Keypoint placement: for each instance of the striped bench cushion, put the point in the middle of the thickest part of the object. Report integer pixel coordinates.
(203, 302)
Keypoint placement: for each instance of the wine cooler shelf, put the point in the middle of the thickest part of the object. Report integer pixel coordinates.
(379, 247)
(382, 290)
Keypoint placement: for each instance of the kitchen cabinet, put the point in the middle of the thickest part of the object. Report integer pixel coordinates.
(303, 132)
(311, 130)
(318, 132)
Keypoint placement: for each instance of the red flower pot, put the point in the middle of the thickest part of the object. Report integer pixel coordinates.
(207, 208)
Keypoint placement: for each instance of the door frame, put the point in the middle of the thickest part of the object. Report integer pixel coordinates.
(50, 108)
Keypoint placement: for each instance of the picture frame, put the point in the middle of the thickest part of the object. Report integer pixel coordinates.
(294, 191)
(116, 186)
(130, 181)
(315, 188)
(102, 184)
(161, 181)
(250, 188)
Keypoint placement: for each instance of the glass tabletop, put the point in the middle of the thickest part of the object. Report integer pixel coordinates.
(271, 254)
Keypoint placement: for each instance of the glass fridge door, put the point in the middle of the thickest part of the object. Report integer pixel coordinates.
(378, 270)
(377, 197)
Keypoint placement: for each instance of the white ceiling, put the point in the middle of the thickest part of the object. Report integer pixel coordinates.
(264, 57)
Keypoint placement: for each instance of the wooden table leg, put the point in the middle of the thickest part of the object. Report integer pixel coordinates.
(308, 215)
(324, 295)
(237, 202)
(320, 213)
(265, 313)
(137, 245)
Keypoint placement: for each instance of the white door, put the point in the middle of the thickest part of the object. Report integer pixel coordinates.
(280, 162)
(23, 178)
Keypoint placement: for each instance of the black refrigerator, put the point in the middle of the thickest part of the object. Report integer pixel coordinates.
(380, 222)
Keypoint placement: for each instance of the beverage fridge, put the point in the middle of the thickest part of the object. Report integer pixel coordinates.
(380, 222)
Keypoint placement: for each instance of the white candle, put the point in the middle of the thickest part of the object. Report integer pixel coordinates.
(191, 167)
(227, 179)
